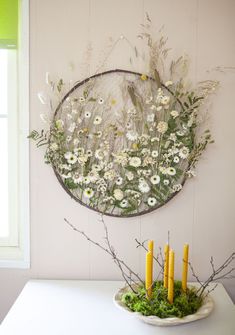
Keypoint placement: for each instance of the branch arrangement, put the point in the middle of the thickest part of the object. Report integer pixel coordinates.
(133, 279)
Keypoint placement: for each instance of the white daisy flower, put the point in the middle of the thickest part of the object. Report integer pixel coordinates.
(174, 114)
(99, 134)
(155, 179)
(184, 152)
(68, 138)
(78, 179)
(135, 161)
(81, 99)
(70, 157)
(162, 127)
(144, 187)
(154, 153)
(124, 203)
(150, 117)
(119, 181)
(97, 120)
(118, 194)
(171, 171)
(176, 159)
(87, 114)
(100, 101)
(152, 201)
(132, 135)
(166, 182)
(88, 193)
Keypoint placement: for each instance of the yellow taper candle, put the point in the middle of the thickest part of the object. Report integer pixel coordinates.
(149, 273)
(166, 265)
(150, 246)
(185, 267)
(171, 276)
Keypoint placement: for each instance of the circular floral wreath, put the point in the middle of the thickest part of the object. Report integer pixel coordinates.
(123, 143)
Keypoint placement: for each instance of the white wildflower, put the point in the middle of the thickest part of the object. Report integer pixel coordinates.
(135, 161)
(165, 100)
(177, 188)
(176, 159)
(132, 135)
(88, 193)
(119, 181)
(97, 120)
(162, 127)
(124, 203)
(152, 201)
(174, 114)
(155, 179)
(159, 108)
(87, 114)
(72, 127)
(100, 101)
(171, 171)
(118, 194)
(53, 146)
(184, 152)
(144, 187)
(81, 99)
(59, 124)
(154, 153)
(166, 182)
(70, 157)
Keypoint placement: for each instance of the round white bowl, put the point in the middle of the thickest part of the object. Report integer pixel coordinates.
(201, 313)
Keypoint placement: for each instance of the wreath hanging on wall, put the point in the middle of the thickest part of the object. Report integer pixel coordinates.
(123, 143)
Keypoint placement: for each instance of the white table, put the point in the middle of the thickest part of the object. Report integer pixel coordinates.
(69, 307)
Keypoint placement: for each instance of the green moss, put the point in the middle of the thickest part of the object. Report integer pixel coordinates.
(184, 303)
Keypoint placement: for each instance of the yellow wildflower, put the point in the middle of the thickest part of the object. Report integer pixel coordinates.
(143, 77)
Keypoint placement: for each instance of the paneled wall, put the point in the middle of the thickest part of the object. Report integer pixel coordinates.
(203, 213)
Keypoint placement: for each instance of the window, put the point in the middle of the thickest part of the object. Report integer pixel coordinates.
(14, 209)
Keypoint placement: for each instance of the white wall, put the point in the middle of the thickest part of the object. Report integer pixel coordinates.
(203, 213)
